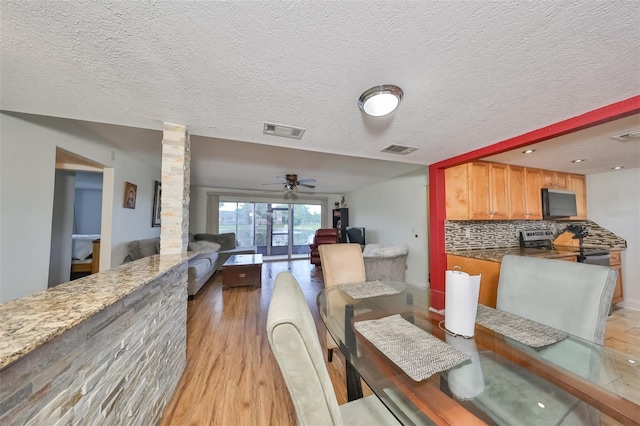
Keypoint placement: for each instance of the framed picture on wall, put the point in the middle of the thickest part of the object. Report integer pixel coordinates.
(130, 193)
(155, 218)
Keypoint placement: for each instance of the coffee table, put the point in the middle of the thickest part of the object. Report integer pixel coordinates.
(242, 270)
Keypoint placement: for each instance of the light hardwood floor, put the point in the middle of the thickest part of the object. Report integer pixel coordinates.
(231, 377)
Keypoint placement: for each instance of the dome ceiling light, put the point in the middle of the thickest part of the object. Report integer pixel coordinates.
(380, 100)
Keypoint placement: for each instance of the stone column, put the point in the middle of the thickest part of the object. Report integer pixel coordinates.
(176, 179)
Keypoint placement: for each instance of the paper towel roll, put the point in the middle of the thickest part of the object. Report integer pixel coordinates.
(466, 381)
(461, 302)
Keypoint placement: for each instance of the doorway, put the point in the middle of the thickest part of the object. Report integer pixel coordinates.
(280, 231)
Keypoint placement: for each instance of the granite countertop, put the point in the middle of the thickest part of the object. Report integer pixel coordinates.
(33, 320)
(496, 254)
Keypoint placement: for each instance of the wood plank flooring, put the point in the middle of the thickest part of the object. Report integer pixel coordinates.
(232, 379)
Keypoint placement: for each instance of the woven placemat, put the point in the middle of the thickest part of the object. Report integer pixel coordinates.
(414, 350)
(368, 289)
(520, 329)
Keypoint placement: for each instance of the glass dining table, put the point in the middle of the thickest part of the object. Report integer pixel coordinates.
(426, 375)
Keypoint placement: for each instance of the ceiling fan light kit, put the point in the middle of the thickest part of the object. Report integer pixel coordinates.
(380, 100)
(291, 183)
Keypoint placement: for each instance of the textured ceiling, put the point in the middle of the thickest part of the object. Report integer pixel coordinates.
(473, 73)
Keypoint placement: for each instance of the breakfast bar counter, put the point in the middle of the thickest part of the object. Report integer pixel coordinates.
(108, 346)
(33, 320)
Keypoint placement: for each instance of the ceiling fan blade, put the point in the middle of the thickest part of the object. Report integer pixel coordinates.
(283, 179)
(273, 183)
(306, 181)
(306, 185)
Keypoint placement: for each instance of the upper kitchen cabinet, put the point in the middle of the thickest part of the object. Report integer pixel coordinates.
(477, 191)
(555, 180)
(525, 201)
(578, 184)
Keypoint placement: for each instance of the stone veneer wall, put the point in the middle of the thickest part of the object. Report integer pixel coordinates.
(497, 234)
(176, 181)
(120, 366)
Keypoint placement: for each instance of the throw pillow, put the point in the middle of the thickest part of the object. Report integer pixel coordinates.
(227, 241)
(139, 249)
(203, 246)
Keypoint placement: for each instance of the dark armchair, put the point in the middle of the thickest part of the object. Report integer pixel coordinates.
(323, 236)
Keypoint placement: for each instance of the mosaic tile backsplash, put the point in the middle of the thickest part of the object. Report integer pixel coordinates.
(497, 234)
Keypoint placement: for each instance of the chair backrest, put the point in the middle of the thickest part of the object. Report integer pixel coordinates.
(570, 296)
(294, 342)
(342, 263)
(326, 236)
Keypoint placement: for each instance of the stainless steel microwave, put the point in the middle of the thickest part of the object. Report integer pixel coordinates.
(558, 203)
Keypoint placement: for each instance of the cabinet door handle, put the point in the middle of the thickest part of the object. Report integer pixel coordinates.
(242, 275)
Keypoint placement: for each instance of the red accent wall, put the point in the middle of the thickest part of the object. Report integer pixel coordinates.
(437, 256)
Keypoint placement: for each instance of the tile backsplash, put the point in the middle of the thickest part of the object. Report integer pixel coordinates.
(497, 234)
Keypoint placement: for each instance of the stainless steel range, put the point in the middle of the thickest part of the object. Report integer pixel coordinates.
(543, 239)
(536, 238)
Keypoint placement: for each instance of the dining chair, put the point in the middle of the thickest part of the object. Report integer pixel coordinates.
(569, 296)
(295, 344)
(341, 264)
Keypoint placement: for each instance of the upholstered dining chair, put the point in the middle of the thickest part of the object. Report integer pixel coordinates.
(569, 296)
(341, 264)
(295, 344)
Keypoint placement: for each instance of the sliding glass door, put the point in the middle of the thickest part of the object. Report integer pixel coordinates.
(277, 229)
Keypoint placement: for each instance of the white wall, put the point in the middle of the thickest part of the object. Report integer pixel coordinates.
(27, 169)
(613, 202)
(395, 212)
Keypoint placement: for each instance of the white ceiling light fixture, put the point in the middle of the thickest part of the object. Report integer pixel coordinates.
(579, 160)
(529, 151)
(380, 100)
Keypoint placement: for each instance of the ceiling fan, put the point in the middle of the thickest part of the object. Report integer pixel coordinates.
(291, 182)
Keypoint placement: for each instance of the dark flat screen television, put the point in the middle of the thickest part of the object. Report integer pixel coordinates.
(558, 203)
(356, 235)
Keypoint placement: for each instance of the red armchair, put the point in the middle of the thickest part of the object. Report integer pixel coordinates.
(323, 236)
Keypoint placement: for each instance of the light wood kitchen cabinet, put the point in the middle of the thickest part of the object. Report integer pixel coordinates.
(615, 261)
(482, 190)
(488, 281)
(578, 184)
(477, 191)
(556, 180)
(525, 201)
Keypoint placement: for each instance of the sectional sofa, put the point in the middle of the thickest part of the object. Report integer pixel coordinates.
(214, 250)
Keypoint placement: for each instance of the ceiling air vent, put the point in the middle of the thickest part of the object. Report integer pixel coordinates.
(283, 131)
(399, 149)
(633, 135)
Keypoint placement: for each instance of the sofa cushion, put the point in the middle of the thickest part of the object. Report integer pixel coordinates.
(211, 256)
(204, 246)
(144, 248)
(227, 241)
(198, 268)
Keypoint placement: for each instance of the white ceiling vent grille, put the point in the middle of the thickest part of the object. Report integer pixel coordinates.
(282, 131)
(629, 136)
(399, 149)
